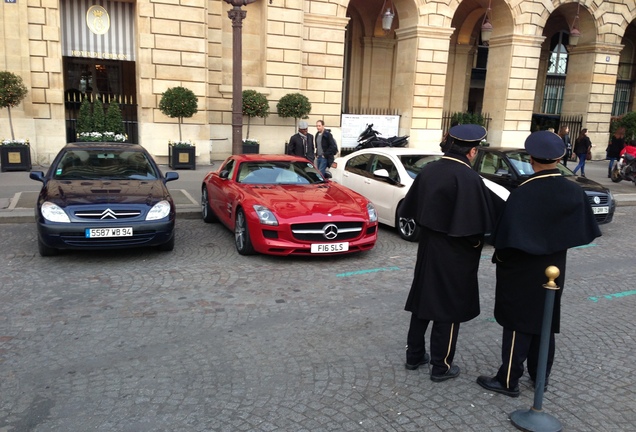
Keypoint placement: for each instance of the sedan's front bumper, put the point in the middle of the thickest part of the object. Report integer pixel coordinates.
(73, 235)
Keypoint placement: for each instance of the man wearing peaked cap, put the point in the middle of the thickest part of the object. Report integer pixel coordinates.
(545, 146)
(469, 135)
(453, 210)
(542, 219)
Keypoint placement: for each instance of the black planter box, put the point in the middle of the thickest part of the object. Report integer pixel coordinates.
(182, 157)
(15, 157)
(250, 148)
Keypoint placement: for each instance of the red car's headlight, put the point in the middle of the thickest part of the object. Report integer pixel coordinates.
(265, 215)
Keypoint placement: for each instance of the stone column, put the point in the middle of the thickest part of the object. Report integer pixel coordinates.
(589, 89)
(511, 83)
(460, 64)
(420, 82)
(322, 72)
(377, 72)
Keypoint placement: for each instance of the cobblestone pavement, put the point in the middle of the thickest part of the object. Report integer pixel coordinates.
(203, 339)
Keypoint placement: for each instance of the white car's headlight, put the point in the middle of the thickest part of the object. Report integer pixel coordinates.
(159, 211)
(373, 216)
(53, 212)
(265, 215)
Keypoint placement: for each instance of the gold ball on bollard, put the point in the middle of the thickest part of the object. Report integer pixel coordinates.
(552, 272)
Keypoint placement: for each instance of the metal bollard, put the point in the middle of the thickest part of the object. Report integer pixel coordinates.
(535, 419)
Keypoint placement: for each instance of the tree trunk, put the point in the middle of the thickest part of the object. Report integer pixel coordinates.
(11, 124)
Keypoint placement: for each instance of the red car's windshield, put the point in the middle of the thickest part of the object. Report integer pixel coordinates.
(278, 172)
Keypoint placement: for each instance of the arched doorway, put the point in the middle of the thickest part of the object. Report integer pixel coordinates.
(98, 48)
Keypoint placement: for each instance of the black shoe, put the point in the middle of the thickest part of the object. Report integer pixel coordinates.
(413, 366)
(494, 385)
(453, 372)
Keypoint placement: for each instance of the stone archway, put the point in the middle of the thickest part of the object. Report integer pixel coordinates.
(379, 69)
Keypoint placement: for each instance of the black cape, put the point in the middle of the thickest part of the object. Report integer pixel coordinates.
(454, 208)
(542, 219)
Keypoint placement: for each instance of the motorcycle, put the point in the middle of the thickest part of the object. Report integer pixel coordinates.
(625, 169)
(371, 138)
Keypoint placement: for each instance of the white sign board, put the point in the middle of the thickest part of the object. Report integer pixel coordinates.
(353, 124)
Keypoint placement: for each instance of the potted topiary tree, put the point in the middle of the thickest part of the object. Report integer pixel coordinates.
(254, 105)
(93, 125)
(114, 123)
(84, 123)
(15, 155)
(294, 105)
(179, 103)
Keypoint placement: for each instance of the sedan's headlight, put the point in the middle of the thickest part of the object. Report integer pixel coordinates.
(53, 212)
(373, 216)
(159, 211)
(265, 215)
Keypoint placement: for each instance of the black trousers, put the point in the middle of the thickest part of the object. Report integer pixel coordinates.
(443, 343)
(516, 348)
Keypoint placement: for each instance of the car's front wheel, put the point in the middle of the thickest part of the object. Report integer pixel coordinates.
(408, 229)
(206, 211)
(46, 251)
(242, 234)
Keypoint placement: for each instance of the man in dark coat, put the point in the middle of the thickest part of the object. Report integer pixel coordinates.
(302, 143)
(542, 219)
(326, 147)
(454, 209)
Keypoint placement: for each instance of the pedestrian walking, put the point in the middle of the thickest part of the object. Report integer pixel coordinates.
(326, 147)
(582, 146)
(454, 209)
(302, 143)
(544, 217)
(564, 133)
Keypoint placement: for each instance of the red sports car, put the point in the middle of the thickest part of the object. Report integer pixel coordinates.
(282, 205)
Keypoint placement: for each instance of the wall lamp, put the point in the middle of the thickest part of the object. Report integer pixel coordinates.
(575, 34)
(387, 17)
(486, 26)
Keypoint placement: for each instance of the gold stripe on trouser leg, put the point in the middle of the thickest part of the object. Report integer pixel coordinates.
(512, 350)
(450, 343)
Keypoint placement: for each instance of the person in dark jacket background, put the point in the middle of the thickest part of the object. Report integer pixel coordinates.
(582, 145)
(544, 217)
(616, 145)
(564, 133)
(454, 209)
(326, 147)
(302, 143)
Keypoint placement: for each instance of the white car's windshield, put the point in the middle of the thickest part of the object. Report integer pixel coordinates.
(413, 164)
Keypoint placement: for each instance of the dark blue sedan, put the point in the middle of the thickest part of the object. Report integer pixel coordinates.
(104, 196)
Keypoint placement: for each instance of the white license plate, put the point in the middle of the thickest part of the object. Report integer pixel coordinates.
(600, 210)
(109, 232)
(330, 247)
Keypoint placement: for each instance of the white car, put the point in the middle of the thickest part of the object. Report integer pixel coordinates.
(384, 176)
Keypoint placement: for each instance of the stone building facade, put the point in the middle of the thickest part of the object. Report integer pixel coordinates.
(431, 61)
